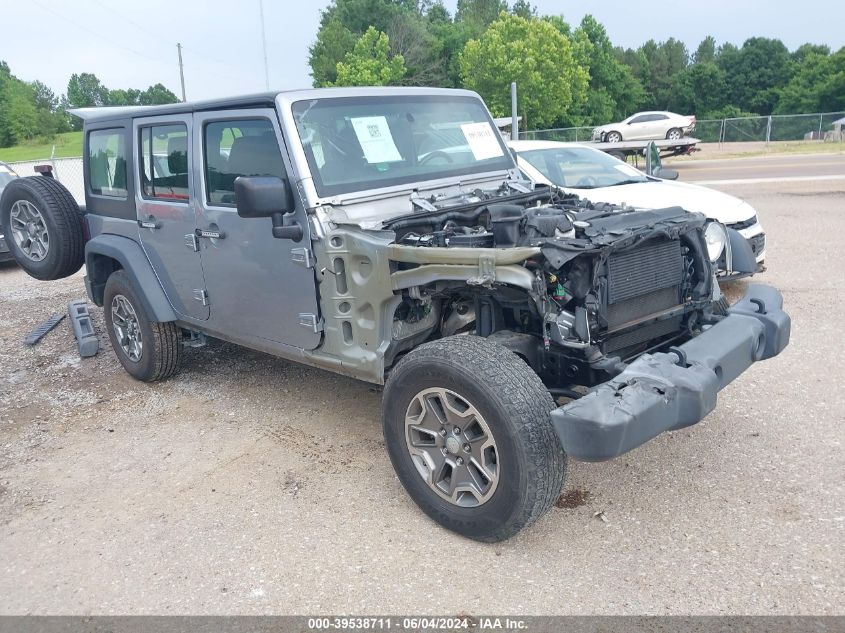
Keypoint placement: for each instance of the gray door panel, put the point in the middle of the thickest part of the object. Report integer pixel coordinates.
(255, 289)
(169, 225)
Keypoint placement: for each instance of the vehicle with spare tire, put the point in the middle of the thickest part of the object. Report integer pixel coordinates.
(385, 234)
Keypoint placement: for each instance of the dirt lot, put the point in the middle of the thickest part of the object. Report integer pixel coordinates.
(251, 485)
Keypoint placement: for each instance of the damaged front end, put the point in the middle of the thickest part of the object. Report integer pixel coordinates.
(623, 302)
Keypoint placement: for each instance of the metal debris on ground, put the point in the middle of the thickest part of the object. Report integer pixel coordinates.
(600, 515)
(38, 333)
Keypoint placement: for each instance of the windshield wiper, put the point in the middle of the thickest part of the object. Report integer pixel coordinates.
(630, 181)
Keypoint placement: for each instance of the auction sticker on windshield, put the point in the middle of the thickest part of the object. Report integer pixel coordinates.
(373, 133)
(482, 140)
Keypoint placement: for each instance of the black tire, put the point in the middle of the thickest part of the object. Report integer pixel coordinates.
(618, 155)
(514, 404)
(62, 219)
(675, 134)
(613, 137)
(161, 348)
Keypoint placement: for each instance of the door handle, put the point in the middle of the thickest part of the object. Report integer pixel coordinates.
(151, 224)
(209, 234)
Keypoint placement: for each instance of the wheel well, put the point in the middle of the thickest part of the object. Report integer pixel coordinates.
(99, 268)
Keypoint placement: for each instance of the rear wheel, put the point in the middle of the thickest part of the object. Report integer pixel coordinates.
(613, 137)
(467, 427)
(43, 227)
(675, 134)
(147, 349)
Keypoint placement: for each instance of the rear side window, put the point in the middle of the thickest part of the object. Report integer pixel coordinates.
(164, 162)
(107, 163)
(246, 147)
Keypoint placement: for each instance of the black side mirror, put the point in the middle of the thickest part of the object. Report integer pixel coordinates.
(268, 197)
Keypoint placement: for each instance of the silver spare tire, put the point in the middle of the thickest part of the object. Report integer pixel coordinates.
(43, 227)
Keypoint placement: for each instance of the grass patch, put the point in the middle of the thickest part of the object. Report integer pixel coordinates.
(754, 149)
(68, 144)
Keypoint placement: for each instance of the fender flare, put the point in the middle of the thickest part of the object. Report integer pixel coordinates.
(133, 260)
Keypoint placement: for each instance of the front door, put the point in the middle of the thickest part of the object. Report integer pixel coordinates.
(166, 214)
(259, 287)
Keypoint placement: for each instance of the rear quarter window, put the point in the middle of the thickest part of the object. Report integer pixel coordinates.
(107, 163)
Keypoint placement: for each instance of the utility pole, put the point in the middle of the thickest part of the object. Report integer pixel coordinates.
(264, 45)
(181, 70)
(514, 117)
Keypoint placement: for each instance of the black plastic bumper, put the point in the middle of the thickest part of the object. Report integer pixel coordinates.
(666, 391)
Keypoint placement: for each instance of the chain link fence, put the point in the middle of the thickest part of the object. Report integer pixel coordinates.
(67, 171)
(561, 134)
(778, 127)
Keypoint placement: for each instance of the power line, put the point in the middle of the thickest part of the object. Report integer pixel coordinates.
(95, 33)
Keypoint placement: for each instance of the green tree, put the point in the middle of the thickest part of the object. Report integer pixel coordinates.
(535, 55)
(334, 41)
(698, 89)
(370, 62)
(614, 91)
(755, 73)
(524, 9)
(818, 85)
(156, 94)
(479, 14)
(706, 51)
(85, 91)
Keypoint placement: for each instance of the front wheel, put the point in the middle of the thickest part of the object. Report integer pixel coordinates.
(468, 431)
(613, 137)
(147, 349)
(674, 134)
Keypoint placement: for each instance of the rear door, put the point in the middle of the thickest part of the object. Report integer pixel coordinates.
(259, 287)
(166, 215)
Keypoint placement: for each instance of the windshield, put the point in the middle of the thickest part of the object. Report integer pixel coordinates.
(581, 167)
(359, 143)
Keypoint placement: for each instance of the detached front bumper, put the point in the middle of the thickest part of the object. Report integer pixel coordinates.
(671, 390)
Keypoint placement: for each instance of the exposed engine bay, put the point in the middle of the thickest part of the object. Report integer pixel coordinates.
(608, 283)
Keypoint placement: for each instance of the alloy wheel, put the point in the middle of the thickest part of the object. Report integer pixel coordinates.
(452, 447)
(127, 330)
(29, 231)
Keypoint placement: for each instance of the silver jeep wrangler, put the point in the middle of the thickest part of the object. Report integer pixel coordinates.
(386, 234)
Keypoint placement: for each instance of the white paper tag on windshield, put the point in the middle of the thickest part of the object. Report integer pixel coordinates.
(482, 140)
(373, 133)
(628, 170)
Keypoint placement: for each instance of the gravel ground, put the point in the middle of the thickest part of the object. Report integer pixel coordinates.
(251, 485)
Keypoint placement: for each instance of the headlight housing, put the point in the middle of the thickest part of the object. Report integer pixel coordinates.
(716, 237)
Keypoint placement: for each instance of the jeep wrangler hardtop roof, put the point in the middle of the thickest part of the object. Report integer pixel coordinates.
(257, 100)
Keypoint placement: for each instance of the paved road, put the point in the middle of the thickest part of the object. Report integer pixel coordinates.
(762, 169)
(248, 484)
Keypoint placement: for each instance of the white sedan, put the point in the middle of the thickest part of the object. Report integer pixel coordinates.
(598, 177)
(644, 126)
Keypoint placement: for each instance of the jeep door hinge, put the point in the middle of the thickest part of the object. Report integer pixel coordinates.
(303, 257)
(311, 321)
(201, 295)
(192, 242)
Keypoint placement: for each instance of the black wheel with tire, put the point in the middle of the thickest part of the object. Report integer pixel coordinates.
(619, 155)
(147, 349)
(675, 134)
(43, 227)
(467, 426)
(613, 137)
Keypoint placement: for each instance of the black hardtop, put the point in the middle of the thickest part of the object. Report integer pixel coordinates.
(110, 113)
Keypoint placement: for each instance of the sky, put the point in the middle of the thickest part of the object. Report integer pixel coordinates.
(133, 44)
